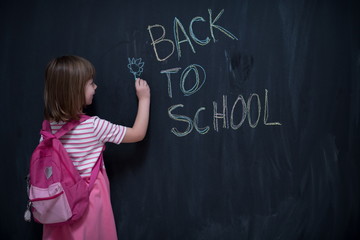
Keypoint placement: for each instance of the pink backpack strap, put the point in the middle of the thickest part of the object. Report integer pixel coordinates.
(46, 128)
(46, 132)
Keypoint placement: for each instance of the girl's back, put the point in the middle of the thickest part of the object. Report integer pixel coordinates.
(84, 143)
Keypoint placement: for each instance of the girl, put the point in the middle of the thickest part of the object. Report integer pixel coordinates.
(69, 87)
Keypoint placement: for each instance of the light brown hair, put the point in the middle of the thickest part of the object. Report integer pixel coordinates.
(64, 92)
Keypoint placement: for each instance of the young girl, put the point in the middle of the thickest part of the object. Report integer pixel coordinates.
(69, 87)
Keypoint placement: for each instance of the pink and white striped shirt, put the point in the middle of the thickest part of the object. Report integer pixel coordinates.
(85, 142)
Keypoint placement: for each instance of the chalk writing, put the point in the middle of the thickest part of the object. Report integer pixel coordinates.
(161, 39)
(181, 118)
(168, 72)
(224, 115)
(243, 115)
(223, 30)
(266, 112)
(246, 112)
(185, 38)
(198, 83)
(192, 34)
(242, 109)
(253, 125)
(177, 25)
(191, 124)
(246, 109)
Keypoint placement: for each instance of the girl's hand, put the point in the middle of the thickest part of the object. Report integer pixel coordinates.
(142, 89)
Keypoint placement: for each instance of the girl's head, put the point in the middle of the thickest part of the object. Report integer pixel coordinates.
(67, 83)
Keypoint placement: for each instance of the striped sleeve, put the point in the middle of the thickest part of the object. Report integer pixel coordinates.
(106, 131)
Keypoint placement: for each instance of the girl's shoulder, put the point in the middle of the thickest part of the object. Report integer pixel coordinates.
(96, 121)
(90, 121)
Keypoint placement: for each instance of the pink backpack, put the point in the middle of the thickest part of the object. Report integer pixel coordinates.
(57, 193)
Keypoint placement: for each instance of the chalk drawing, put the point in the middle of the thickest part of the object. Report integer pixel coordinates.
(136, 67)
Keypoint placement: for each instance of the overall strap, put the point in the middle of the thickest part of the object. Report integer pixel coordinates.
(96, 169)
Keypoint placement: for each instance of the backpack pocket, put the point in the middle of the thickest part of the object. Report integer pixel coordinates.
(50, 205)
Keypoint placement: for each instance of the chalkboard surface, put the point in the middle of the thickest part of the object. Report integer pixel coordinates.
(254, 129)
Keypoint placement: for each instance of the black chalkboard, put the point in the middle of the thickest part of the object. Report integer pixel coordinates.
(254, 128)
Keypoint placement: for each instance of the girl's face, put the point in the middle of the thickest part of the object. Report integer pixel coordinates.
(89, 91)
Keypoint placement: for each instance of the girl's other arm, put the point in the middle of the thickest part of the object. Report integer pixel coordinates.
(138, 131)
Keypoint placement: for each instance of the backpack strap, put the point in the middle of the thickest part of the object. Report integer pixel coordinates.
(46, 132)
(46, 128)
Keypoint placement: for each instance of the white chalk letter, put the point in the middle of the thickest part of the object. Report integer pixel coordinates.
(181, 118)
(196, 120)
(198, 41)
(178, 24)
(197, 85)
(168, 72)
(159, 40)
(244, 113)
(223, 115)
(249, 112)
(266, 112)
(223, 30)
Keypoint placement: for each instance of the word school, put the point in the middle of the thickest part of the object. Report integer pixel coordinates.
(240, 105)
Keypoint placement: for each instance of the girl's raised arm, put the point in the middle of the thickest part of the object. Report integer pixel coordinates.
(138, 131)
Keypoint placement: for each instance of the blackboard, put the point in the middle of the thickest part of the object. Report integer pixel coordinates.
(254, 128)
